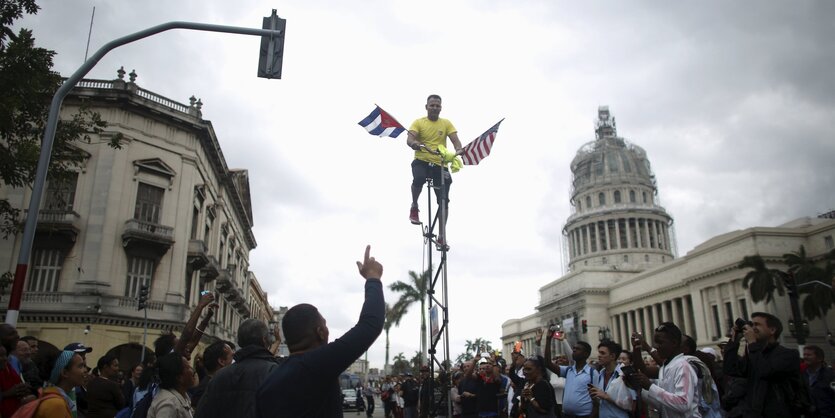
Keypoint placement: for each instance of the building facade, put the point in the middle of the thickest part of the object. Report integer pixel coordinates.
(624, 275)
(163, 211)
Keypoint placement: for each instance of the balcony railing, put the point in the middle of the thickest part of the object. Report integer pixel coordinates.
(162, 231)
(43, 297)
(57, 216)
(127, 302)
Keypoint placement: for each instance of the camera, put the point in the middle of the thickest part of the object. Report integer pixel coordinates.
(557, 330)
(740, 323)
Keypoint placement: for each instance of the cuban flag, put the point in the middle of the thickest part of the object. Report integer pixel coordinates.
(380, 123)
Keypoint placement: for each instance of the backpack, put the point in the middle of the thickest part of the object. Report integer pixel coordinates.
(709, 404)
(141, 407)
(28, 410)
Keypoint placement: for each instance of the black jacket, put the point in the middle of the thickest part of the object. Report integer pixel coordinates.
(823, 396)
(766, 369)
(307, 384)
(231, 392)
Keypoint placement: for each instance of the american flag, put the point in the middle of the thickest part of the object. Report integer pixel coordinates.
(477, 150)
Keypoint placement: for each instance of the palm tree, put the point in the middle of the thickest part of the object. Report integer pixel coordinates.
(400, 365)
(761, 280)
(412, 292)
(393, 317)
(813, 280)
(802, 274)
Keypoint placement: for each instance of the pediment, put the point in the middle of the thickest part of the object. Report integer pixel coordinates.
(154, 166)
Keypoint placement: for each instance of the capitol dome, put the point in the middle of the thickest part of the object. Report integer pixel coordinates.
(616, 218)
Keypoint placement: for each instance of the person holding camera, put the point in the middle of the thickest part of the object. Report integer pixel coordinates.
(675, 393)
(772, 372)
(577, 403)
(616, 399)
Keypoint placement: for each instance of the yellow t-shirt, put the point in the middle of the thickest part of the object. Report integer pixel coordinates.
(431, 134)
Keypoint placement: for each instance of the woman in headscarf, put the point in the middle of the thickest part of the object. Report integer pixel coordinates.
(67, 373)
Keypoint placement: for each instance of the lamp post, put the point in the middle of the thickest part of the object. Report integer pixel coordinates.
(52, 124)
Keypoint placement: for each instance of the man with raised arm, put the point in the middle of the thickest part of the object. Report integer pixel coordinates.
(307, 383)
(577, 401)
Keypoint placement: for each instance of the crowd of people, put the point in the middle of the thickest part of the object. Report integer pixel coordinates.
(752, 376)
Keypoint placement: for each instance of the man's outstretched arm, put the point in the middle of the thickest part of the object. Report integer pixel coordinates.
(332, 359)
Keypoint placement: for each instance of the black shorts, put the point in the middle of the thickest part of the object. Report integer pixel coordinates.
(421, 170)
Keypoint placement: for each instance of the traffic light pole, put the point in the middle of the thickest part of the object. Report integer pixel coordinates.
(144, 338)
(49, 138)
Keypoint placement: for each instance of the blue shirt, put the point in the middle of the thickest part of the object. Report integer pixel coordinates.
(576, 399)
(608, 409)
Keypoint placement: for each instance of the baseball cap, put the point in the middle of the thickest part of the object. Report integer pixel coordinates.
(78, 348)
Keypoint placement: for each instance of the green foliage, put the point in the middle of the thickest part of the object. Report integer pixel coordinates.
(401, 364)
(813, 280)
(28, 84)
(472, 347)
(761, 280)
(414, 291)
(393, 316)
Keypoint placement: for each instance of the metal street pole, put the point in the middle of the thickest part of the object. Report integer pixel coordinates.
(49, 138)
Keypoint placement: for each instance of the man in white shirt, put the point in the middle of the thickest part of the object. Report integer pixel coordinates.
(675, 391)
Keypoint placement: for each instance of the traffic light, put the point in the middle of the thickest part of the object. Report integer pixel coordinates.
(585, 326)
(271, 56)
(143, 297)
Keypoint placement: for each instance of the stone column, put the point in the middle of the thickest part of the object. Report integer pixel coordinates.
(668, 311)
(629, 243)
(653, 237)
(659, 312)
(677, 319)
(646, 234)
(588, 237)
(617, 233)
(606, 230)
(650, 313)
(689, 314)
(662, 243)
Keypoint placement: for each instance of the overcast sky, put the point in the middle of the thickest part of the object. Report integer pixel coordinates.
(733, 102)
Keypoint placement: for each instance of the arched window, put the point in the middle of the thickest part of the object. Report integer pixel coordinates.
(588, 202)
(632, 196)
(617, 196)
(645, 196)
(602, 199)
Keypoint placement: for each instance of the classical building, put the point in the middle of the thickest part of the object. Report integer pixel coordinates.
(165, 210)
(624, 275)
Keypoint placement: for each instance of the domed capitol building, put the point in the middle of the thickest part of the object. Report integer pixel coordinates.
(624, 273)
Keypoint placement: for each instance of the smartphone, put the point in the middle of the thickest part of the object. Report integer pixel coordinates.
(205, 292)
(557, 334)
(627, 370)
